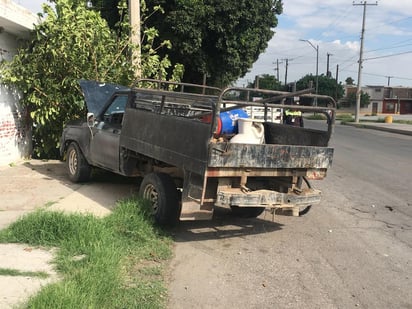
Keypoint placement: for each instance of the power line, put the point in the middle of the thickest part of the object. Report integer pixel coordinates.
(386, 48)
(391, 23)
(379, 75)
(387, 56)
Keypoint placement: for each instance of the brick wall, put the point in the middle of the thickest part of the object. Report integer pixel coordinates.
(15, 137)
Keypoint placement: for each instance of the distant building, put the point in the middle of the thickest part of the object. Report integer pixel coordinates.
(397, 100)
(15, 138)
(384, 99)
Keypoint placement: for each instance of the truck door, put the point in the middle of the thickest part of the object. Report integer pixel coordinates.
(104, 145)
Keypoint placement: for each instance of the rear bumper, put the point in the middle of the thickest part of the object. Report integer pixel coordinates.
(267, 198)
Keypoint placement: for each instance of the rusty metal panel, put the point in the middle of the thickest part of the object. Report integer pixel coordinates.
(265, 172)
(266, 198)
(269, 156)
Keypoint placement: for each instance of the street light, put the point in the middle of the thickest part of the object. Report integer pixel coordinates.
(317, 66)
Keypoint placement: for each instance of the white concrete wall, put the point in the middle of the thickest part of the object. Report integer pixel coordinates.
(15, 139)
(15, 135)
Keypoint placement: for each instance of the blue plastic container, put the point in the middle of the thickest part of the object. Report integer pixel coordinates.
(228, 123)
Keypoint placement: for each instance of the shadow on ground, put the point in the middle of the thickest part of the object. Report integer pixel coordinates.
(223, 225)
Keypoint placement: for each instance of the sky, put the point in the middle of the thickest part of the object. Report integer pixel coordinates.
(335, 27)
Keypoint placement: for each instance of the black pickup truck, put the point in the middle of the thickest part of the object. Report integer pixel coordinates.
(198, 147)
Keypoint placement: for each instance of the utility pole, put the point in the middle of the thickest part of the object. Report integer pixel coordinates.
(134, 16)
(277, 69)
(256, 82)
(389, 80)
(358, 90)
(328, 73)
(337, 74)
(286, 72)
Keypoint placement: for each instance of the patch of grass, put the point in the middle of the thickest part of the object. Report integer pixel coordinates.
(315, 117)
(15, 273)
(379, 120)
(403, 121)
(111, 262)
(345, 117)
(49, 204)
(382, 120)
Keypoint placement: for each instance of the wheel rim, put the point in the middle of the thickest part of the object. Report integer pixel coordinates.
(150, 193)
(72, 162)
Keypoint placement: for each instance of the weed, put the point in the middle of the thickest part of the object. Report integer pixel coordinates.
(111, 262)
(15, 272)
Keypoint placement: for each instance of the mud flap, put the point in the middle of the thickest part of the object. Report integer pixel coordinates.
(195, 203)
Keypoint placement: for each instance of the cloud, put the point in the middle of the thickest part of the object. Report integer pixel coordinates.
(335, 26)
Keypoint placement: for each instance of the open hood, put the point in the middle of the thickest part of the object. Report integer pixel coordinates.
(96, 94)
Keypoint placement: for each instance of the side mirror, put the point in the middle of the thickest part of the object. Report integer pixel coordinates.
(90, 120)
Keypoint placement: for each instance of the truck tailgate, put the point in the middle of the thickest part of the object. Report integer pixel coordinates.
(227, 155)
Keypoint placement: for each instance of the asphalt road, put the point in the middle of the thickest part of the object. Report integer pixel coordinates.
(351, 251)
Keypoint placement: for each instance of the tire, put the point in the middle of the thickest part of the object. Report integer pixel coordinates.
(247, 212)
(160, 190)
(77, 167)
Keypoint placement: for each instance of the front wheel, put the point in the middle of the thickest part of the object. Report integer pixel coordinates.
(78, 168)
(160, 190)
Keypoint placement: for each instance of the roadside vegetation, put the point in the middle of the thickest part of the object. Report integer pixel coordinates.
(112, 262)
(341, 117)
(71, 43)
(382, 120)
(14, 272)
(345, 117)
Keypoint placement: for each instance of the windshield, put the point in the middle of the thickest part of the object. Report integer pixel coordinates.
(96, 94)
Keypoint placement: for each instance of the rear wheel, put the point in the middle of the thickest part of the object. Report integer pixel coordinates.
(78, 168)
(247, 212)
(160, 190)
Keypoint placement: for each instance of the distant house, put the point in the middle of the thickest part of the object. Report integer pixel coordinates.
(397, 100)
(15, 138)
(376, 98)
(384, 99)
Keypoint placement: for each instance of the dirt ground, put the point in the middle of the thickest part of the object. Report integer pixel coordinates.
(334, 257)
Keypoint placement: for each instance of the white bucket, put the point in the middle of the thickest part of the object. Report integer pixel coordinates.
(251, 131)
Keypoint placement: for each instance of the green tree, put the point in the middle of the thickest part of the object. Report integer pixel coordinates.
(349, 81)
(327, 86)
(73, 43)
(219, 38)
(364, 99)
(267, 81)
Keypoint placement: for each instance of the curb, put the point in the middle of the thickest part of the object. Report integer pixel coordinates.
(379, 128)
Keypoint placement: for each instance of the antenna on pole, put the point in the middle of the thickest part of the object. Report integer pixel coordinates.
(358, 90)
